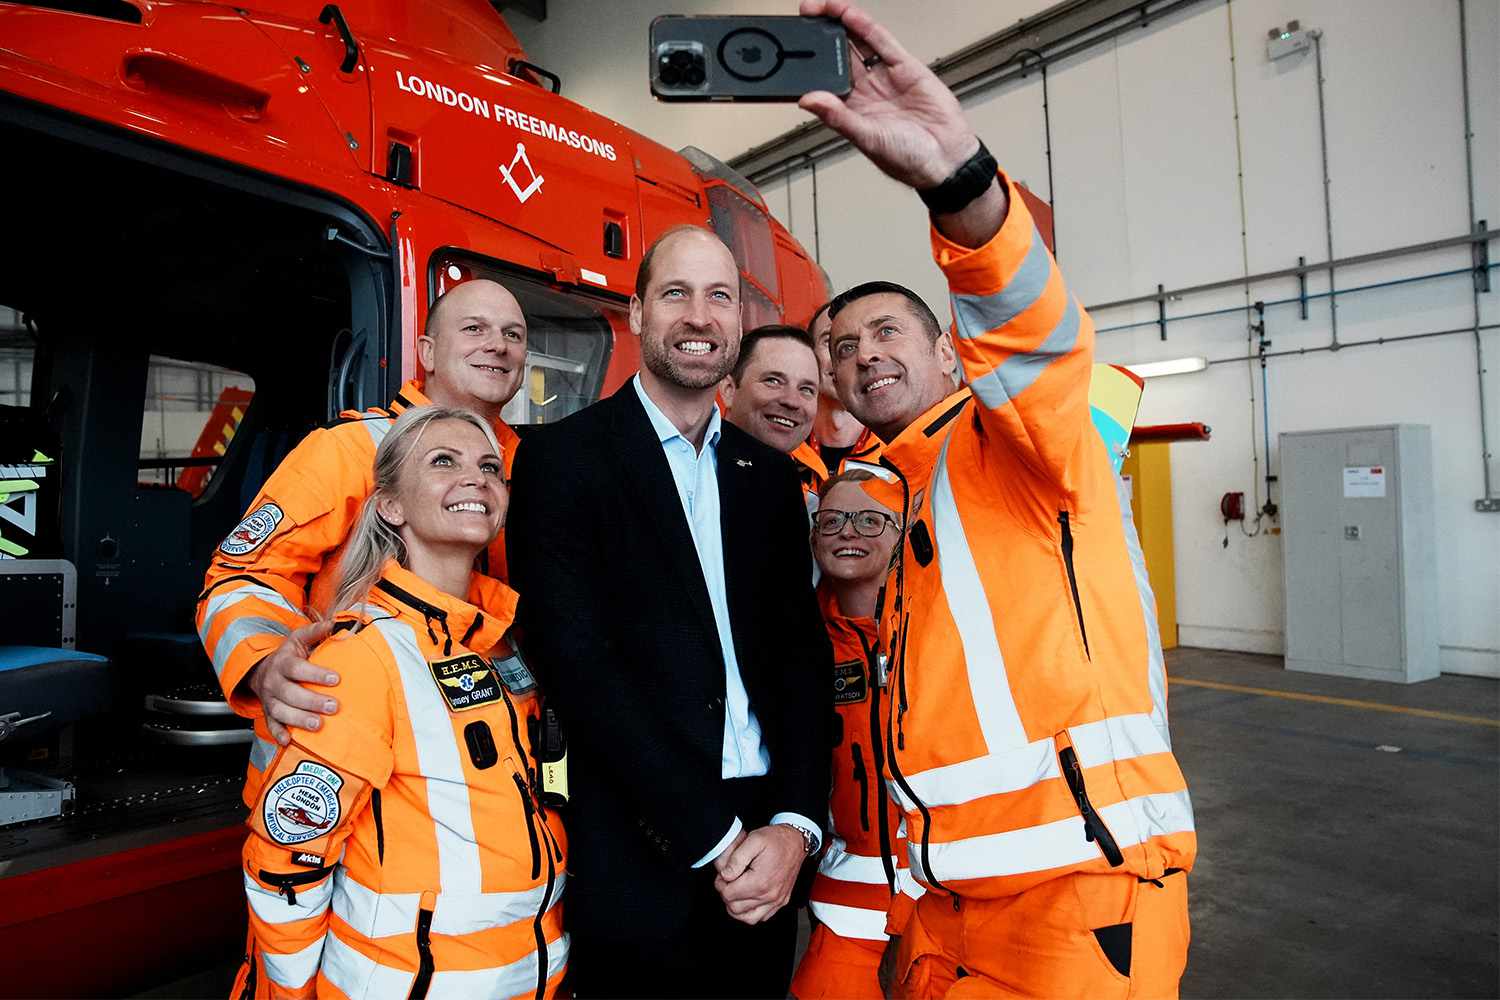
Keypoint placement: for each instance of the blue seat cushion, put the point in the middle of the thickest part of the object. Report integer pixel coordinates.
(21, 657)
(69, 684)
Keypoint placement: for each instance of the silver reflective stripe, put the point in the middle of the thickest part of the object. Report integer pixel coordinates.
(374, 914)
(378, 427)
(850, 921)
(977, 315)
(908, 885)
(879, 471)
(262, 752)
(294, 970)
(357, 976)
(1015, 374)
(1120, 737)
(841, 866)
(461, 913)
(1053, 845)
(1117, 738)
(438, 759)
(1156, 667)
(228, 598)
(989, 687)
(271, 906)
(519, 977)
(238, 631)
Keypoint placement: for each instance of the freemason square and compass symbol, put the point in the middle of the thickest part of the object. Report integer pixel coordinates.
(510, 173)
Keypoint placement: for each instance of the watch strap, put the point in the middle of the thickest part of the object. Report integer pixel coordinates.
(972, 179)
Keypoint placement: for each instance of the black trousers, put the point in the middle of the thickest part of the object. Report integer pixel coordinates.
(715, 956)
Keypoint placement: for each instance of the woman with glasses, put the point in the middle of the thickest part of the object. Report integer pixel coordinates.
(400, 847)
(862, 876)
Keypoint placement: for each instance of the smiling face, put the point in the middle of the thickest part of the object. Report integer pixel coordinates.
(688, 315)
(848, 556)
(474, 347)
(450, 493)
(776, 396)
(889, 368)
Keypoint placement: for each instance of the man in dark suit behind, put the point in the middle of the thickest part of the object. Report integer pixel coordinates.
(663, 565)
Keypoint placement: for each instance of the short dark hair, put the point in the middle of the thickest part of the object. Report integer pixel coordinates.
(643, 273)
(923, 312)
(816, 313)
(771, 331)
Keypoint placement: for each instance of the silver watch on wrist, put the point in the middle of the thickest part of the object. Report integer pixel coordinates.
(809, 841)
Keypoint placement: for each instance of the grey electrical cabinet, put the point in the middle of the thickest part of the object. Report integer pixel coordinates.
(1358, 552)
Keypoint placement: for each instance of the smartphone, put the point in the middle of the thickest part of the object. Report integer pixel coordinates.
(770, 58)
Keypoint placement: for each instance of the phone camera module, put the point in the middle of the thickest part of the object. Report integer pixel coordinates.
(681, 66)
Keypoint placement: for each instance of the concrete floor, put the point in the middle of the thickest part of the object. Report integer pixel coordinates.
(1327, 867)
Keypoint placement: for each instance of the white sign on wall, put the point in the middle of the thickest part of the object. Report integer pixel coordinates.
(1364, 480)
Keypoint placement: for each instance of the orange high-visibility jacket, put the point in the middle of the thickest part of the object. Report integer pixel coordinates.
(1029, 735)
(283, 557)
(864, 866)
(864, 455)
(401, 848)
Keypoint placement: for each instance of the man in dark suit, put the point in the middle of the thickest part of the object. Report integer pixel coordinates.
(662, 559)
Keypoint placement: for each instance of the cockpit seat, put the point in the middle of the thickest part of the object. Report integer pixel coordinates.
(43, 689)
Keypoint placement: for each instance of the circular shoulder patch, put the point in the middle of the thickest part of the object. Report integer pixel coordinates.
(303, 805)
(257, 526)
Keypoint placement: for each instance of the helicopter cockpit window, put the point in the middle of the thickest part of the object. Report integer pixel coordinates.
(192, 413)
(569, 337)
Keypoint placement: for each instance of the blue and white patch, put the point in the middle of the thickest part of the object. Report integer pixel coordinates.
(252, 532)
(302, 806)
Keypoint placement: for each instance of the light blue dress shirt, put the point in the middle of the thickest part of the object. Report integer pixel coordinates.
(696, 475)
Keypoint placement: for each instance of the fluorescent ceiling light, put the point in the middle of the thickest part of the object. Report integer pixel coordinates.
(1176, 366)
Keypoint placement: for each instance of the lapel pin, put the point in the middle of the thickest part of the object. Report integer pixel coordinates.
(743, 462)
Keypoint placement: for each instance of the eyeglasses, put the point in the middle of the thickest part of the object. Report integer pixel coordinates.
(869, 523)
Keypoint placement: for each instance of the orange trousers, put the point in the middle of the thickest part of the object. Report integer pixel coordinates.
(838, 968)
(1083, 936)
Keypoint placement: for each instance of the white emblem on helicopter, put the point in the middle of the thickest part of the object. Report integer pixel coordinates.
(510, 173)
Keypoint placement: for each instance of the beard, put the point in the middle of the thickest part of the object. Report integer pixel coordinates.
(672, 367)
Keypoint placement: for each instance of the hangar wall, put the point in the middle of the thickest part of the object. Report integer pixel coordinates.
(1143, 136)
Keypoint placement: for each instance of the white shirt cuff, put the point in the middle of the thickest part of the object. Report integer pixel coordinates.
(723, 845)
(801, 822)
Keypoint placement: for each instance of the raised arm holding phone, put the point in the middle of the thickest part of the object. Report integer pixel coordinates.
(1028, 747)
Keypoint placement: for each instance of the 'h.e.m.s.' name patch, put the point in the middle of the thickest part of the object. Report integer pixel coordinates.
(850, 684)
(252, 532)
(466, 682)
(303, 805)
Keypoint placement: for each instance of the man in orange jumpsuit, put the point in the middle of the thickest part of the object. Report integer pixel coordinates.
(281, 560)
(862, 880)
(1028, 744)
(772, 394)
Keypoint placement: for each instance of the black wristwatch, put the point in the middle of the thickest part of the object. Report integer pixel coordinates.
(972, 179)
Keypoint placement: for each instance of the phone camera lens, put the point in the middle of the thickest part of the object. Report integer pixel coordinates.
(681, 68)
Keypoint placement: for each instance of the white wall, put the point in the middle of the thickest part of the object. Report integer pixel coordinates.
(1143, 136)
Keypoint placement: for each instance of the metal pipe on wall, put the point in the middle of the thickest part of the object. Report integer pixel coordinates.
(1239, 180)
(1487, 503)
(1333, 302)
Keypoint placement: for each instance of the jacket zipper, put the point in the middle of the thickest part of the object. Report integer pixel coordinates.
(536, 850)
(423, 979)
(379, 824)
(541, 934)
(1094, 829)
(899, 666)
(864, 786)
(515, 737)
(1067, 551)
(877, 753)
(286, 882)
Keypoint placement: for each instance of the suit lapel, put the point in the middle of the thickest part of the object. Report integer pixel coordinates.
(653, 493)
